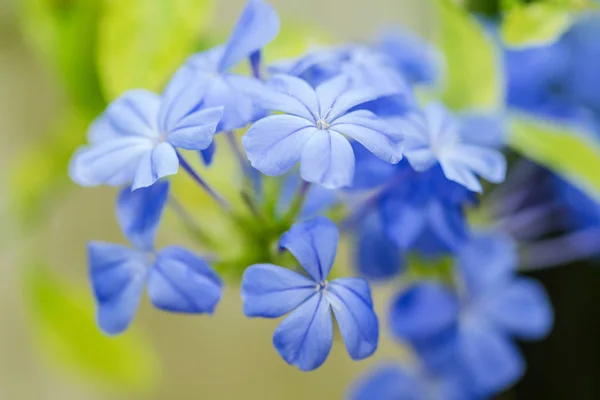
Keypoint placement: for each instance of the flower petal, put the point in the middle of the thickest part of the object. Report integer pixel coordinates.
(372, 132)
(492, 361)
(328, 160)
(113, 162)
(207, 154)
(118, 275)
(425, 310)
(161, 162)
(270, 291)
(258, 25)
(350, 299)
(139, 213)
(305, 337)
(389, 382)
(135, 113)
(404, 222)
(460, 173)
(274, 144)
(182, 282)
(239, 109)
(355, 97)
(487, 163)
(314, 244)
(196, 130)
(377, 258)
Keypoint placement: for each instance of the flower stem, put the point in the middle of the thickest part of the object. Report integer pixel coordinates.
(297, 203)
(188, 221)
(212, 193)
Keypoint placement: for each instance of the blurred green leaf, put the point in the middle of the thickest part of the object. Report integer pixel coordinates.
(535, 24)
(64, 31)
(141, 43)
(473, 68)
(41, 170)
(63, 325)
(572, 154)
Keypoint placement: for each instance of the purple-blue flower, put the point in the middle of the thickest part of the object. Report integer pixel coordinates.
(470, 327)
(304, 338)
(177, 279)
(433, 136)
(312, 127)
(257, 26)
(134, 141)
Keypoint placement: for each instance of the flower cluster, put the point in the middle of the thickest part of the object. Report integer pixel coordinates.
(351, 150)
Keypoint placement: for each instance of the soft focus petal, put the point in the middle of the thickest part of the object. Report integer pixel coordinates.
(274, 144)
(139, 213)
(373, 133)
(196, 130)
(423, 311)
(113, 162)
(355, 97)
(487, 163)
(376, 257)
(404, 223)
(270, 291)
(239, 109)
(314, 244)
(350, 299)
(258, 25)
(305, 337)
(135, 113)
(389, 382)
(491, 360)
(449, 224)
(118, 275)
(161, 162)
(330, 91)
(298, 89)
(462, 174)
(101, 130)
(370, 171)
(520, 307)
(207, 154)
(182, 282)
(328, 160)
(486, 260)
(484, 129)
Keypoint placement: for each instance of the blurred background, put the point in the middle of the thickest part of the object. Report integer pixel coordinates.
(60, 61)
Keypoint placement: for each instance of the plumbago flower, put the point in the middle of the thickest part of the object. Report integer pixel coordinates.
(312, 127)
(433, 136)
(305, 337)
(135, 140)
(470, 328)
(178, 280)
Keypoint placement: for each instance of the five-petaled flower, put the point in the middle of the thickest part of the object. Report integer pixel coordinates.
(310, 131)
(305, 337)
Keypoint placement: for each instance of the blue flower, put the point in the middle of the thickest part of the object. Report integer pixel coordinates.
(178, 280)
(434, 137)
(257, 26)
(134, 141)
(310, 131)
(470, 328)
(305, 337)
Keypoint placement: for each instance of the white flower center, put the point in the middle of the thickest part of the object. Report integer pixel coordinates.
(322, 124)
(323, 285)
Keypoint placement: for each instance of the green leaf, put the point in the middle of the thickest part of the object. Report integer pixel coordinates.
(473, 77)
(141, 43)
(63, 327)
(40, 173)
(64, 32)
(572, 154)
(535, 24)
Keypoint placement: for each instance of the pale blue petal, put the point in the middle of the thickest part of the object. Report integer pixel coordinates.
(328, 93)
(484, 129)
(118, 275)
(274, 144)
(305, 337)
(101, 130)
(113, 162)
(314, 244)
(298, 89)
(270, 291)
(461, 174)
(182, 282)
(375, 134)
(196, 130)
(139, 213)
(328, 160)
(135, 113)
(423, 311)
(492, 361)
(389, 382)
(258, 25)
(488, 259)
(355, 97)
(487, 163)
(520, 307)
(351, 302)
(239, 108)
(376, 257)
(161, 162)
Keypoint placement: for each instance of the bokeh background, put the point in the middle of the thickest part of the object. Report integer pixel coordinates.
(49, 345)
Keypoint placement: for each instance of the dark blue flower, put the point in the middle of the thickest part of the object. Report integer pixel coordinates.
(134, 141)
(177, 279)
(312, 128)
(305, 337)
(471, 327)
